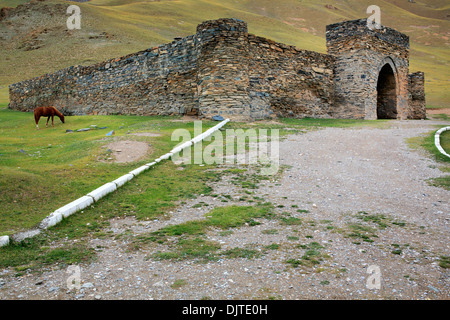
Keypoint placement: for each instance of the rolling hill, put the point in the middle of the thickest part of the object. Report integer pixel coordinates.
(34, 39)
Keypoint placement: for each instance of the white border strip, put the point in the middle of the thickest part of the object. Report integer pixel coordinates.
(437, 142)
(77, 205)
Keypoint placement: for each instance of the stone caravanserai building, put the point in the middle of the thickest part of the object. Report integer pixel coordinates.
(224, 70)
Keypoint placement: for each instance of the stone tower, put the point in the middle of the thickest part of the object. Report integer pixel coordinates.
(371, 71)
(222, 74)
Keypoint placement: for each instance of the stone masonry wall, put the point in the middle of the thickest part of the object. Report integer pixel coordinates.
(222, 69)
(244, 76)
(160, 80)
(288, 82)
(416, 96)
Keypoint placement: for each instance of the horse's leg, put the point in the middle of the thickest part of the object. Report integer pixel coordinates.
(48, 118)
(36, 119)
(52, 121)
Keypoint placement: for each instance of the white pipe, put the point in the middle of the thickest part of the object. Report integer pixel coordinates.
(75, 206)
(167, 156)
(53, 219)
(123, 179)
(209, 131)
(139, 170)
(102, 191)
(437, 141)
(186, 144)
(176, 150)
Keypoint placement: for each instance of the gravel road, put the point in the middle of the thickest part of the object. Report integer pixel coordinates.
(364, 202)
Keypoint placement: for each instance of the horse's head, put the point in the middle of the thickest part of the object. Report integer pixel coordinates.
(62, 118)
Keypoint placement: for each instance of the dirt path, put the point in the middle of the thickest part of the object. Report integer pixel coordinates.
(364, 204)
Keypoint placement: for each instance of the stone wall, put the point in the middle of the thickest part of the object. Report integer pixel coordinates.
(289, 82)
(160, 80)
(243, 76)
(416, 96)
(223, 69)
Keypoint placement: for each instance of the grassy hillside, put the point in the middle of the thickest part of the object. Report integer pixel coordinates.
(34, 38)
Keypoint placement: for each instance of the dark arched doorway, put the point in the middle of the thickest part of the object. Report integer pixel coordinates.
(386, 94)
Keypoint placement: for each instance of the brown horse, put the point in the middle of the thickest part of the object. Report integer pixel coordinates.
(47, 112)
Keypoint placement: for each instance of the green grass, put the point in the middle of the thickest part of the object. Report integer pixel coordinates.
(359, 231)
(273, 246)
(241, 253)
(442, 182)
(4, 95)
(379, 219)
(365, 226)
(191, 244)
(35, 253)
(436, 107)
(440, 116)
(177, 284)
(42, 179)
(196, 248)
(427, 143)
(236, 216)
(290, 221)
(56, 167)
(444, 140)
(335, 123)
(311, 257)
(221, 217)
(203, 250)
(47, 168)
(12, 3)
(444, 262)
(397, 249)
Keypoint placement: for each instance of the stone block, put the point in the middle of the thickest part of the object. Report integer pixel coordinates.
(102, 191)
(123, 179)
(4, 241)
(75, 206)
(139, 170)
(52, 220)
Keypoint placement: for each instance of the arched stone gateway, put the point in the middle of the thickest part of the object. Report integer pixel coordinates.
(387, 93)
(371, 73)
